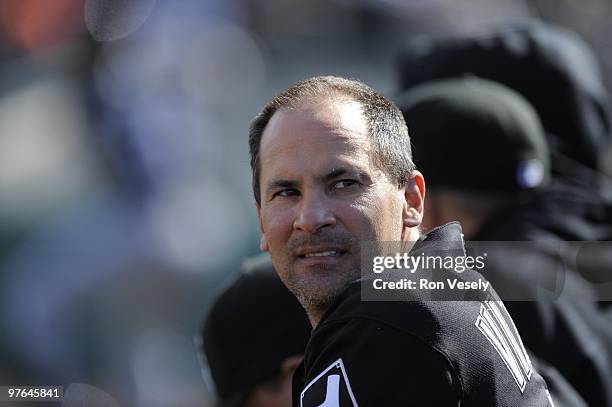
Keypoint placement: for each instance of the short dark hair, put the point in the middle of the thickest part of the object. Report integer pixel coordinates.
(385, 123)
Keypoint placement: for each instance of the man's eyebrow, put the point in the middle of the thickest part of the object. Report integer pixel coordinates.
(342, 171)
(333, 174)
(281, 183)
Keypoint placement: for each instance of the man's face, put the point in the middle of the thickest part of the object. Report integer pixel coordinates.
(321, 195)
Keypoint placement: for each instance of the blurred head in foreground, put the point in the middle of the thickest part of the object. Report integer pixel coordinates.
(253, 339)
(481, 145)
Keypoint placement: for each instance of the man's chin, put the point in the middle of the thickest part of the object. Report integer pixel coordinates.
(318, 293)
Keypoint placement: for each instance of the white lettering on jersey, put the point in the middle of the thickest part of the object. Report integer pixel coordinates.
(332, 395)
(331, 388)
(502, 334)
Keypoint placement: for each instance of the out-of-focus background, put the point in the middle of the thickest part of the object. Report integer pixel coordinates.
(125, 200)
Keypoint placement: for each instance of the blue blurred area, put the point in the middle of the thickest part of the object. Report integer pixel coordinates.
(125, 200)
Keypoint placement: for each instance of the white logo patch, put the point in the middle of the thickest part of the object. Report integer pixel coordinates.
(331, 388)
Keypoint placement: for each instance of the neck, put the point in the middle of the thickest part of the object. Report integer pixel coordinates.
(315, 314)
(315, 317)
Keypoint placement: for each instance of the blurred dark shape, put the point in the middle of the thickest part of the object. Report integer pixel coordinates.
(109, 20)
(476, 133)
(252, 327)
(550, 66)
(589, 259)
(35, 25)
(562, 393)
(477, 120)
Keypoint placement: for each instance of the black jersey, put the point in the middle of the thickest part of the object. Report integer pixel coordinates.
(417, 353)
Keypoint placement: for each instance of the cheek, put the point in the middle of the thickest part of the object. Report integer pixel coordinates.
(277, 225)
(374, 217)
(385, 214)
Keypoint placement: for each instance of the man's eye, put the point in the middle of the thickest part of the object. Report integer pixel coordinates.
(345, 183)
(286, 192)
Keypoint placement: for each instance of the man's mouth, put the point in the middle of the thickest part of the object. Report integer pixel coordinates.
(329, 253)
(319, 252)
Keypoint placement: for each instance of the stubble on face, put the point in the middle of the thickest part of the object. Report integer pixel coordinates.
(302, 145)
(319, 289)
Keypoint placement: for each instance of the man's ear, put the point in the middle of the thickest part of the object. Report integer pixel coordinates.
(414, 194)
(263, 243)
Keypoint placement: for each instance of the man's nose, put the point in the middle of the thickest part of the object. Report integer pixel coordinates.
(314, 214)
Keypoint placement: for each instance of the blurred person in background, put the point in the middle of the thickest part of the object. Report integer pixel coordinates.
(557, 73)
(254, 337)
(496, 161)
(553, 68)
